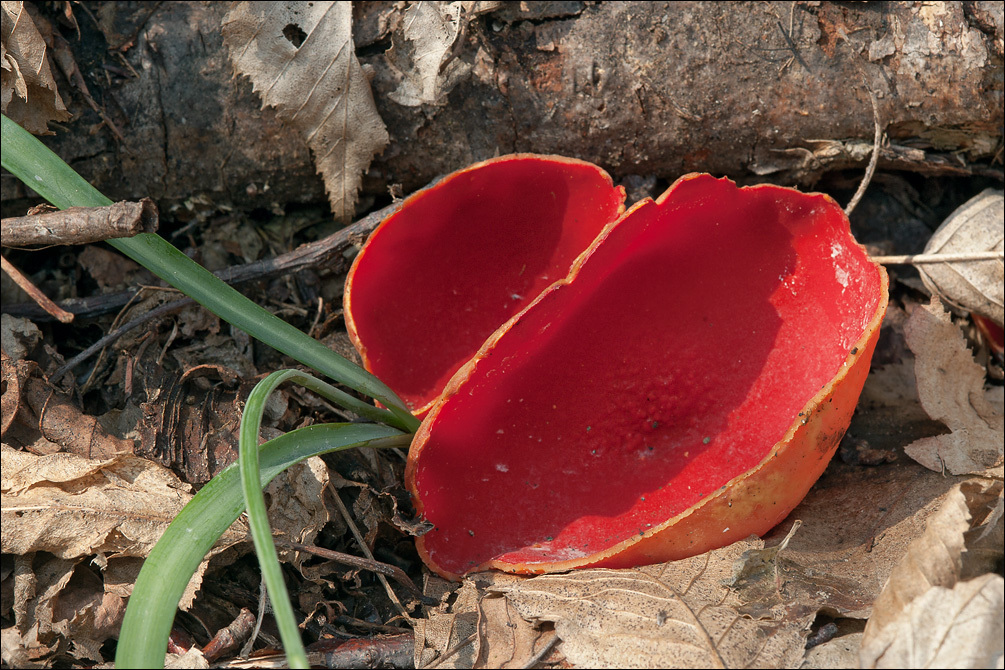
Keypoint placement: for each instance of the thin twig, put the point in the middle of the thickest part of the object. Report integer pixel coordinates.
(920, 259)
(369, 554)
(113, 335)
(385, 569)
(326, 254)
(792, 46)
(263, 601)
(453, 650)
(877, 142)
(41, 299)
(539, 656)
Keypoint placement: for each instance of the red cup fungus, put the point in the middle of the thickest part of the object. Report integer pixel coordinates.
(680, 388)
(461, 257)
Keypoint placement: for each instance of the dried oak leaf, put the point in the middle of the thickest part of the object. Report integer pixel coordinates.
(679, 614)
(301, 59)
(925, 616)
(73, 506)
(951, 389)
(28, 92)
(973, 286)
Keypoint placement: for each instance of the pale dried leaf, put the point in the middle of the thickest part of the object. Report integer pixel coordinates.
(420, 46)
(37, 584)
(72, 506)
(63, 600)
(974, 286)
(445, 637)
(318, 86)
(18, 336)
(678, 614)
(932, 563)
(296, 506)
(934, 559)
(28, 92)
(24, 650)
(951, 389)
(857, 524)
(960, 627)
(505, 639)
(192, 659)
(841, 652)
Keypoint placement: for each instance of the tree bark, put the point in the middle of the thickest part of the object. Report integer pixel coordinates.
(750, 90)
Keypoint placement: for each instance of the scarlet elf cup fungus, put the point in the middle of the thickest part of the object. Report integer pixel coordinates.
(681, 388)
(461, 257)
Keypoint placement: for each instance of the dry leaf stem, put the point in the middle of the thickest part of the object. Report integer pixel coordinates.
(914, 259)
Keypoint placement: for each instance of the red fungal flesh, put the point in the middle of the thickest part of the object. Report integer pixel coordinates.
(460, 258)
(676, 356)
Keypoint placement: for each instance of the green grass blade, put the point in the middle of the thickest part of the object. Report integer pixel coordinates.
(45, 173)
(258, 518)
(175, 558)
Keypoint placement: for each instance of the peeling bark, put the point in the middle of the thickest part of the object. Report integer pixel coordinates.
(640, 88)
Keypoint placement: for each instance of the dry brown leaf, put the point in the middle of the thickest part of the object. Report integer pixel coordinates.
(960, 627)
(678, 614)
(13, 372)
(192, 659)
(301, 59)
(932, 565)
(72, 506)
(972, 286)
(422, 49)
(189, 421)
(296, 506)
(841, 652)
(58, 599)
(58, 510)
(934, 559)
(27, 90)
(18, 336)
(445, 637)
(62, 422)
(505, 639)
(857, 524)
(24, 650)
(951, 389)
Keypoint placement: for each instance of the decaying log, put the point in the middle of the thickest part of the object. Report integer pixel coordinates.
(642, 88)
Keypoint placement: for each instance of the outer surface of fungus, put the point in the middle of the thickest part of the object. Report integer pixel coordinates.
(681, 388)
(461, 257)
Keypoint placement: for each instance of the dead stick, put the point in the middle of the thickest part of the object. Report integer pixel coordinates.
(81, 225)
(326, 254)
(40, 298)
(228, 639)
(920, 259)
